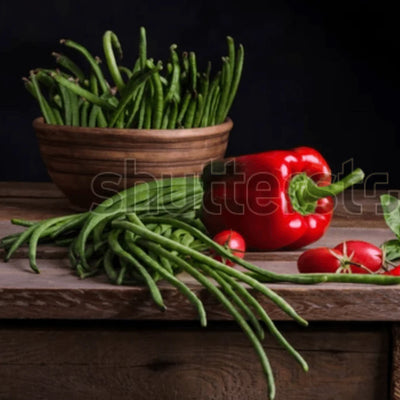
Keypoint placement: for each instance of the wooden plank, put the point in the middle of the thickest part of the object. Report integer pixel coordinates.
(395, 378)
(180, 362)
(57, 293)
(30, 190)
(33, 209)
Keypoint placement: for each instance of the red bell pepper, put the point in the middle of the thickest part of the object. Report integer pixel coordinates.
(276, 199)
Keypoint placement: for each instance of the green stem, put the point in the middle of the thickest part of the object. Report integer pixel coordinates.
(304, 192)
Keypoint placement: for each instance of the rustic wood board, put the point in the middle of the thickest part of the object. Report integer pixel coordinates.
(58, 293)
(64, 361)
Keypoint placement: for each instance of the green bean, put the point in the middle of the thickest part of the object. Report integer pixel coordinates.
(68, 64)
(231, 53)
(199, 110)
(126, 71)
(22, 222)
(230, 289)
(120, 252)
(232, 310)
(185, 64)
(110, 40)
(193, 72)
(165, 120)
(84, 114)
(44, 106)
(94, 86)
(185, 105)
(169, 277)
(93, 116)
(109, 207)
(93, 63)
(236, 79)
(173, 90)
(356, 278)
(56, 99)
(138, 96)
(189, 116)
(82, 92)
(137, 79)
(58, 117)
(43, 77)
(214, 106)
(226, 84)
(238, 288)
(122, 271)
(158, 98)
(101, 119)
(109, 267)
(22, 238)
(142, 112)
(66, 104)
(142, 48)
(121, 201)
(145, 233)
(209, 99)
(39, 230)
(75, 221)
(173, 115)
(29, 86)
(271, 276)
(74, 109)
(147, 113)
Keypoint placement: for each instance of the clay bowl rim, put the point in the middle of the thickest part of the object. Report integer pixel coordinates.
(159, 134)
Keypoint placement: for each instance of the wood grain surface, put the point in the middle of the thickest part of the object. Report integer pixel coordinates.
(63, 361)
(66, 338)
(58, 293)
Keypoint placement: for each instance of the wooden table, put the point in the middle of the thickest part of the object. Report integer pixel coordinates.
(65, 338)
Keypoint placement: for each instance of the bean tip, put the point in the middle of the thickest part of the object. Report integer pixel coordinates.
(63, 41)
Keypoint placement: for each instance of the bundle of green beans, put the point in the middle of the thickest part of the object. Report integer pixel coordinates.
(140, 96)
(152, 232)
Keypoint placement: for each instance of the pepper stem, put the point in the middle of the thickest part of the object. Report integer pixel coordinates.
(304, 192)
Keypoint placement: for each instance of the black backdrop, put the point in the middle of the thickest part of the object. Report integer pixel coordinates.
(323, 74)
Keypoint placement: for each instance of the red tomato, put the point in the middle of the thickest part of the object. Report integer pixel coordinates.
(231, 240)
(320, 259)
(394, 271)
(367, 256)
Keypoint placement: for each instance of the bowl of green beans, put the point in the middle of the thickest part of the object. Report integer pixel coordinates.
(106, 126)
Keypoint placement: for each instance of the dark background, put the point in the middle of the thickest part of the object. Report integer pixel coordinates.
(323, 74)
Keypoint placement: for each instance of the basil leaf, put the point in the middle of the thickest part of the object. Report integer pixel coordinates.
(391, 212)
(391, 250)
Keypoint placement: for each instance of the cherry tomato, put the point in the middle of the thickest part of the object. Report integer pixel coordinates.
(362, 257)
(394, 271)
(231, 240)
(320, 259)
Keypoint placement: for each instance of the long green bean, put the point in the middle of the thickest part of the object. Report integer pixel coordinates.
(92, 61)
(147, 234)
(110, 40)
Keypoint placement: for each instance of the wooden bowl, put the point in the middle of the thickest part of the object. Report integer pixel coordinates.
(91, 164)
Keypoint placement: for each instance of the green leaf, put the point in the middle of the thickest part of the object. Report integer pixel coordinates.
(391, 249)
(391, 212)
